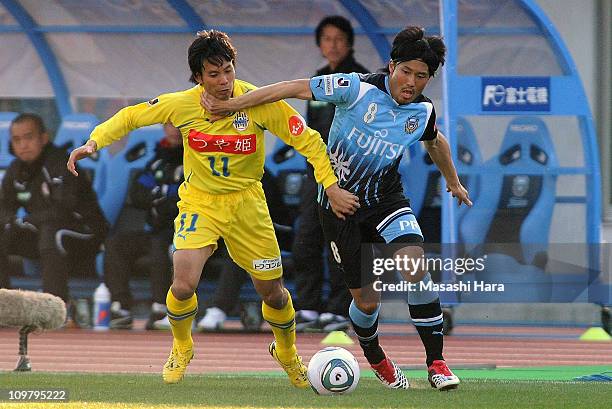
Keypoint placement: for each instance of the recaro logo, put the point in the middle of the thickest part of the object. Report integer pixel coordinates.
(76, 125)
(524, 128)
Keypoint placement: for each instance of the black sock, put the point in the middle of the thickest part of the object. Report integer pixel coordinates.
(368, 340)
(423, 315)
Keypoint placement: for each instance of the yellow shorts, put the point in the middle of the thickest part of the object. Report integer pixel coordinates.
(240, 218)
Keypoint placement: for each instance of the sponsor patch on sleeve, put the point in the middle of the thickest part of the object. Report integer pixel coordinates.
(342, 82)
(296, 125)
(329, 88)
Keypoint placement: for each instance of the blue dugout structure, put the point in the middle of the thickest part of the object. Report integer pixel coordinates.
(481, 95)
(505, 61)
(543, 96)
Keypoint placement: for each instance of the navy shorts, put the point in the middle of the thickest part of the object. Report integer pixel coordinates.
(387, 222)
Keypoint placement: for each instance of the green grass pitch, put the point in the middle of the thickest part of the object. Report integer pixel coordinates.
(272, 390)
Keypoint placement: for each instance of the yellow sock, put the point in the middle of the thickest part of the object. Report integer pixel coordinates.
(283, 326)
(181, 315)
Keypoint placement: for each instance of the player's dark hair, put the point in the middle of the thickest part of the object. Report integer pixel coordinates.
(212, 46)
(411, 44)
(36, 119)
(340, 23)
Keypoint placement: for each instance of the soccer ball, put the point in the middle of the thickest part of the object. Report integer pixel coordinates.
(333, 371)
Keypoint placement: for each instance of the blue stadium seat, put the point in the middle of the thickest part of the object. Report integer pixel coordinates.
(513, 212)
(421, 180)
(5, 139)
(518, 195)
(119, 169)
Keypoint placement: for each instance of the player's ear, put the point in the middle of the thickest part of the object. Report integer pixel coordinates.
(391, 67)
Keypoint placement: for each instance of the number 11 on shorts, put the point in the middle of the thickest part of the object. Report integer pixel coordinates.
(192, 225)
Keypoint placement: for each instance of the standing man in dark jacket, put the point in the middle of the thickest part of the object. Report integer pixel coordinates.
(155, 190)
(62, 223)
(335, 38)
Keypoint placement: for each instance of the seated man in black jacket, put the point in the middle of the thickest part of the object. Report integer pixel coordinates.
(63, 224)
(155, 190)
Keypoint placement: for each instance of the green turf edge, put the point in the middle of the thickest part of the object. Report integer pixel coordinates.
(539, 373)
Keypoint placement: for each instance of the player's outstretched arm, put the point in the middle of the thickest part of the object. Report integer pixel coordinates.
(80, 153)
(439, 151)
(264, 95)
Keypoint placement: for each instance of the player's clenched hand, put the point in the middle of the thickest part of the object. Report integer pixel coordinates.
(461, 193)
(80, 153)
(215, 106)
(343, 202)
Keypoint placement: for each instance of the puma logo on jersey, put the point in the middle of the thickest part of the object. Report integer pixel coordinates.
(393, 114)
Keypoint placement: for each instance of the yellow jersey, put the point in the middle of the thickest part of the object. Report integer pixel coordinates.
(226, 155)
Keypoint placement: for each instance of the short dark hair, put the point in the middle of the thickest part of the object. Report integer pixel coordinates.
(28, 116)
(212, 46)
(411, 44)
(340, 23)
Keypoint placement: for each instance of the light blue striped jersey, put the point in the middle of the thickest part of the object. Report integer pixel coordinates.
(370, 133)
